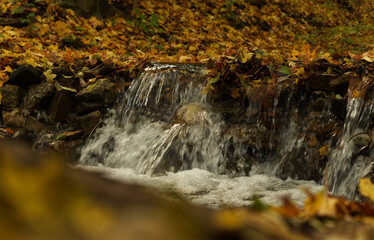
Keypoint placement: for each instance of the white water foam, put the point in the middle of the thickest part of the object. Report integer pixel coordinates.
(204, 188)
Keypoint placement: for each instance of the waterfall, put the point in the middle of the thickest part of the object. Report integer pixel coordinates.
(346, 166)
(162, 123)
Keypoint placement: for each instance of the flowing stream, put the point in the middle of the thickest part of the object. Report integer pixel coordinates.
(165, 133)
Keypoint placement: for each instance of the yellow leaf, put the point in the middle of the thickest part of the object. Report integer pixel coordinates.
(300, 72)
(366, 188)
(3, 78)
(0, 97)
(32, 62)
(191, 48)
(49, 76)
(235, 93)
(245, 56)
(8, 69)
(355, 93)
(323, 151)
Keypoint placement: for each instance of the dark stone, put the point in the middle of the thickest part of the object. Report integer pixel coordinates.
(253, 135)
(321, 123)
(106, 69)
(24, 76)
(62, 73)
(301, 163)
(70, 83)
(87, 107)
(320, 104)
(11, 96)
(38, 96)
(102, 92)
(319, 82)
(23, 119)
(361, 140)
(89, 122)
(62, 104)
(338, 107)
(342, 82)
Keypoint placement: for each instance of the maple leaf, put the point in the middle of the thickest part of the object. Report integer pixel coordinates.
(49, 76)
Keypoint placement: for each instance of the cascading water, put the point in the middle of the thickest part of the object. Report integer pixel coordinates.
(163, 123)
(346, 166)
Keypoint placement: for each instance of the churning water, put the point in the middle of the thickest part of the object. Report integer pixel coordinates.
(165, 134)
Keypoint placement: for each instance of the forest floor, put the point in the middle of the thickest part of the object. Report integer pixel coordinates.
(255, 41)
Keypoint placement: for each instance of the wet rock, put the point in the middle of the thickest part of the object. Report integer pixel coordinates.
(338, 107)
(361, 140)
(89, 122)
(238, 166)
(38, 96)
(254, 135)
(302, 163)
(320, 104)
(86, 107)
(191, 114)
(22, 119)
(102, 93)
(252, 115)
(11, 96)
(228, 108)
(62, 104)
(24, 76)
(321, 123)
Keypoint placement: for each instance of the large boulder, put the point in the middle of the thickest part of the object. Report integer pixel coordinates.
(24, 76)
(38, 96)
(99, 94)
(11, 96)
(89, 122)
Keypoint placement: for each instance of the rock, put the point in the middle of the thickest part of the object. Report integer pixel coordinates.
(87, 107)
(301, 162)
(320, 104)
(70, 83)
(102, 93)
(24, 76)
(252, 115)
(22, 119)
(319, 81)
(338, 107)
(238, 166)
(89, 122)
(62, 104)
(341, 82)
(38, 96)
(106, 69)
(191, 114)
(11, 96)
(361, 140)
(253, 135)
(321, 123)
